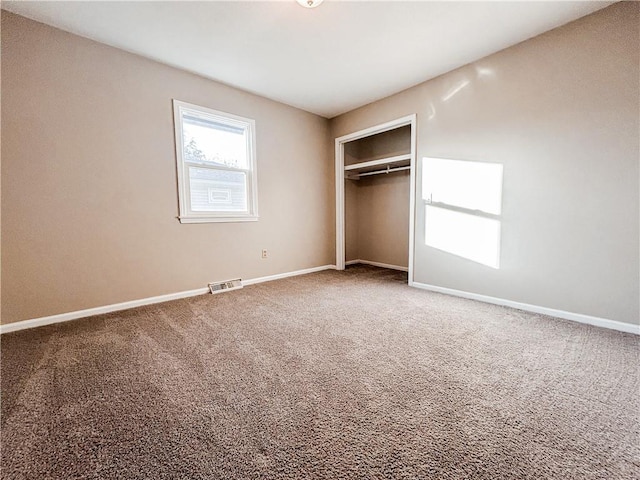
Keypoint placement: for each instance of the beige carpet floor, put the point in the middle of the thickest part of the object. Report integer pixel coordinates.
(333, 375)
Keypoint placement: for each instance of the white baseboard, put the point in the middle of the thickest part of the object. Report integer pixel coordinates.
(89, 312)
(378, 264)
(278, 276)
(576, 317)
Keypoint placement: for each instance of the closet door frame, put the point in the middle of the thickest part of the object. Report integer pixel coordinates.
(340, 208)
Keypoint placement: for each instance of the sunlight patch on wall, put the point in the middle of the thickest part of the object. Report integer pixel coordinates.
(463, 207)
(468, 236)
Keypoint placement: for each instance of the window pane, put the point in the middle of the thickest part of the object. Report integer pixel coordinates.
(468, 236)
(206, 140)
(472, 185)
(217, 190)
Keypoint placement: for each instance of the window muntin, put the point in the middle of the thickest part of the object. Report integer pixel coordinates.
(215, 155)
(216, 190)
(463, 204)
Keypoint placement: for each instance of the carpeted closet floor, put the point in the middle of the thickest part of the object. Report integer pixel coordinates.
(332, 375)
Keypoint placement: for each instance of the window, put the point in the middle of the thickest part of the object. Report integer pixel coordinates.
(215, 154)
(463, 207)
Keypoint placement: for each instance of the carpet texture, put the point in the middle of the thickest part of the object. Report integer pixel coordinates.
(332, 375)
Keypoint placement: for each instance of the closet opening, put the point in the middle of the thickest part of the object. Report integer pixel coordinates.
(375, 196)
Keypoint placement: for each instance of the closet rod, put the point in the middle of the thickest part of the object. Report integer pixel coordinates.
(378, 172)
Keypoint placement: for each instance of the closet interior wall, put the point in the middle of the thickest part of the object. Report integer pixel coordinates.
(377, 206)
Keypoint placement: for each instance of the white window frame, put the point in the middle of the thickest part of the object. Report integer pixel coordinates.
(187, 215)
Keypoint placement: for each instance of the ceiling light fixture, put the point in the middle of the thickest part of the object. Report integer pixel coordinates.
(309, 3)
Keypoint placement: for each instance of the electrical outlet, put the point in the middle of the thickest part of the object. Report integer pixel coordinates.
(264, 253)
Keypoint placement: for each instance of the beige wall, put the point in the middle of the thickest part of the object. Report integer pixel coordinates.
(386, 144)
(89, 192)
(560, 112)
(351, 220)
(383, 218)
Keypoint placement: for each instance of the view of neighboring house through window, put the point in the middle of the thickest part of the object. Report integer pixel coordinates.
(463, 208)
(215, 152)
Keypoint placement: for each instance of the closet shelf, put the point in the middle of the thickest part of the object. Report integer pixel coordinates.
(396, 161)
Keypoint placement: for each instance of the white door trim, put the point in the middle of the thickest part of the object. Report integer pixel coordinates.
(339, 163)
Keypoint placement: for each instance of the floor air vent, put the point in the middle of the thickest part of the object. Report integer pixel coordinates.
(219, 287)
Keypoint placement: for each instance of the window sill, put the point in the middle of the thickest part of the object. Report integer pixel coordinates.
(217, 219)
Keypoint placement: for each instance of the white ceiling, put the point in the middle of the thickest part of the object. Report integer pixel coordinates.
(326, 60)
